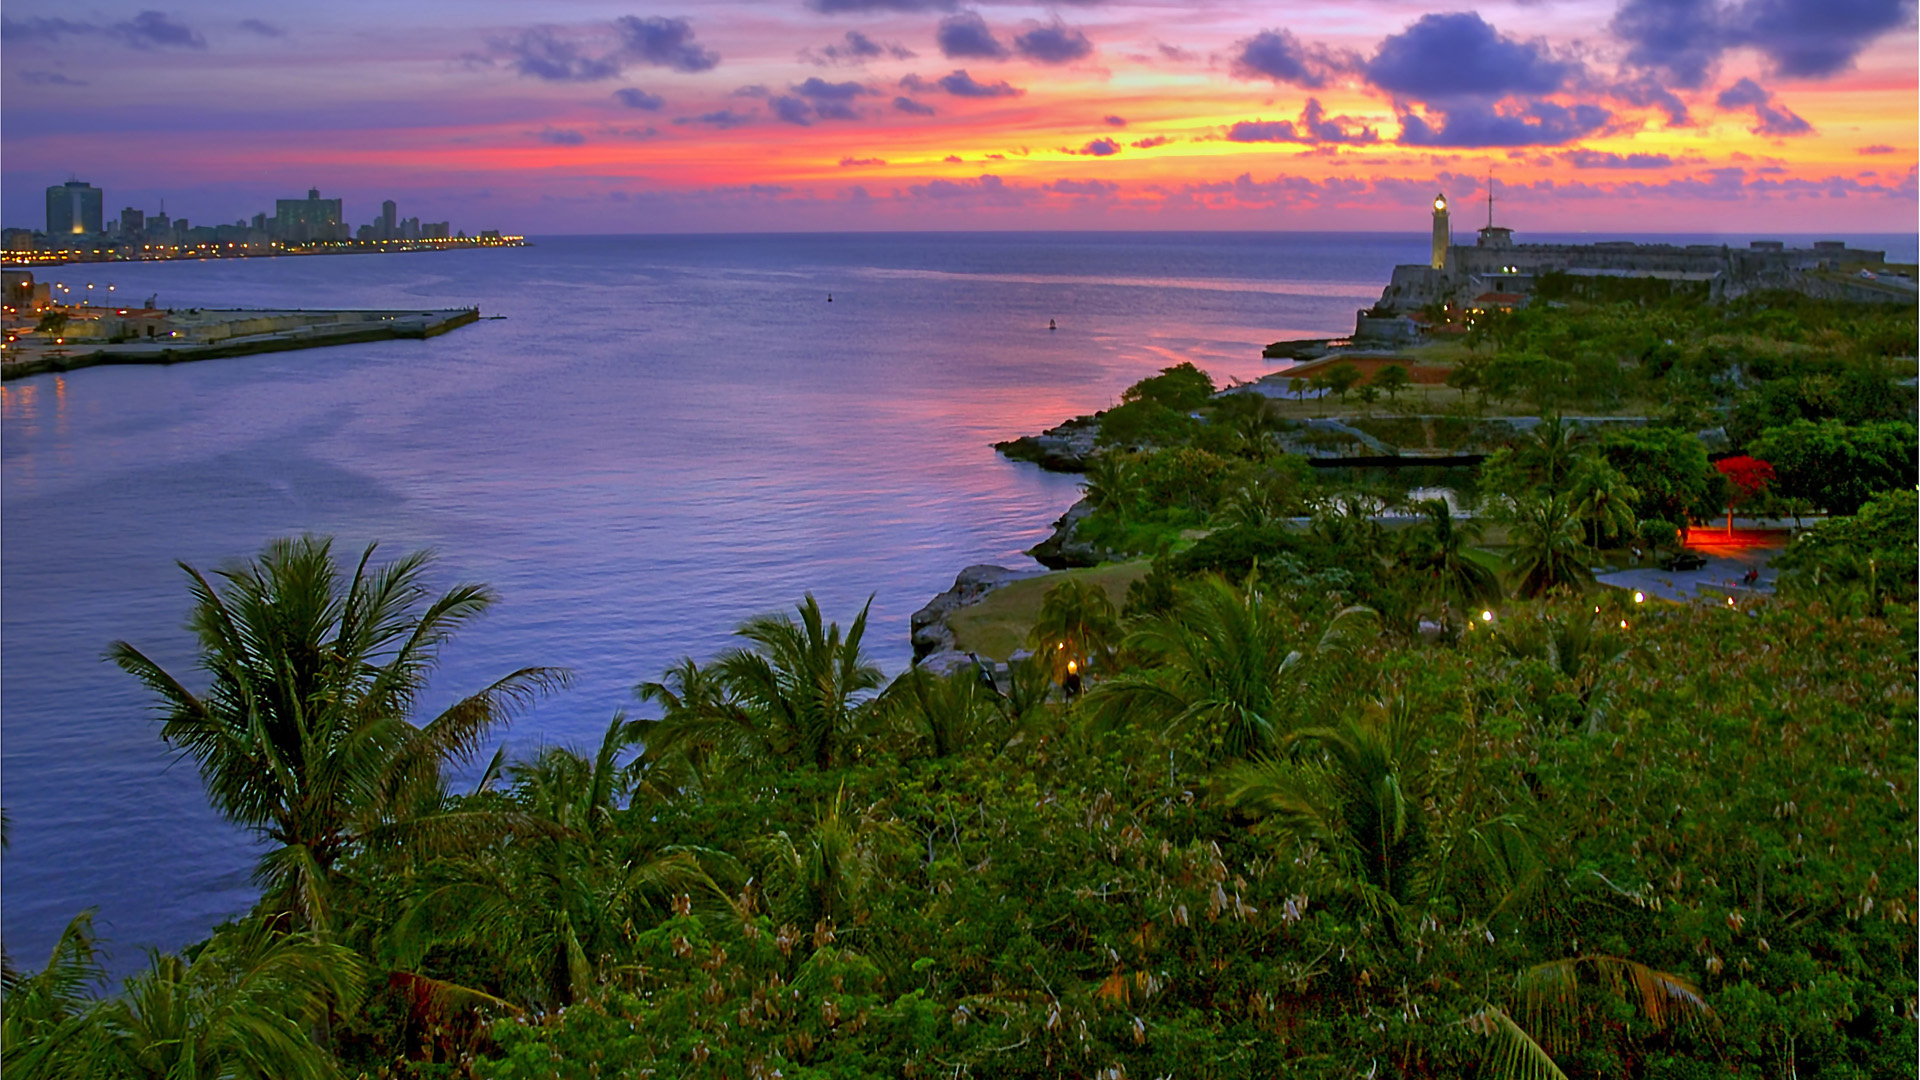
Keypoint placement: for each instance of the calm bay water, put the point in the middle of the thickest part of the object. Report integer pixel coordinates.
(664, 436)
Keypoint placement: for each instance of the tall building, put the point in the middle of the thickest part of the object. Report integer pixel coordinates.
(1442, 232)
(74, 208)
(389, 212)
(133, 222)
(312, 218)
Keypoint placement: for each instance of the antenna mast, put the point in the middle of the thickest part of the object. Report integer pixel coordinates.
(1489, 198)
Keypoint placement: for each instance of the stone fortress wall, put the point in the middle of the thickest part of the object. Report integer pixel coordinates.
(1499, 271)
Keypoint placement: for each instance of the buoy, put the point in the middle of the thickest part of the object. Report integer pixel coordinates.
(829, 298)
(1050, 325)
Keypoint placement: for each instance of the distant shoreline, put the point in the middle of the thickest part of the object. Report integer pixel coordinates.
(27, 260)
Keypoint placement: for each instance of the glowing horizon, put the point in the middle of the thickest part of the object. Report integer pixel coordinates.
(1642, 116)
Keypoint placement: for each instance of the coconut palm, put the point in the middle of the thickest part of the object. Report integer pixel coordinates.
(304, 734)
(49, 1024)
(1602, 500)
(1268, 497)
(1582, 648)
(1230, 672)
(553, 903)
(944, 715)
(823, 876)
(1437, 549)
(1357, 790)
(1547, 1001)
(1548, 551)
(1077, 627)
(1113, 482)
(245, 1005)
(801, 694)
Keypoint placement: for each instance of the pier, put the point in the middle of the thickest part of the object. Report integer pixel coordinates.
(89, 337)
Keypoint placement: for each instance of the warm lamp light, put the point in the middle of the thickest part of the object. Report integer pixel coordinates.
(1486, 616)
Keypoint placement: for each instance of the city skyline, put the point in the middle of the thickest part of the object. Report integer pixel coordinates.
(1642, 116)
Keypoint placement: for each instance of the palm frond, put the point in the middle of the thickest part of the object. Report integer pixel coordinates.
(1514, 1054)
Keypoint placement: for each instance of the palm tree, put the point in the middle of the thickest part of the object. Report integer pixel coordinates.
(1229, 672)
(1268, 497)
(304, 736)
(244, 1006)
(1548, 551)
(944, 715)
(1548, 452)
(49, 1025)
(823, 876)
(1113, 482)
(800, 694)
(1549, 1003)
(1437, 549)
(552, 903)
(1602, 500)
(1077, 627)
(1357, 789)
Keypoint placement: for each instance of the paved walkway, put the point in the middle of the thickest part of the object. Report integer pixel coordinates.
(1752, 545)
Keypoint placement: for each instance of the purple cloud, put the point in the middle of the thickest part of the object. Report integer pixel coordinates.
(1471, 125)
(1150, 142)
(1283, 58)
(855, 49)
(561, 136)
(1092, 189)
(911, 107)
(262, 28)
(837, 7)
(965, 36)
(663, 42)
(1685, 39)
(147, 30)
(1098, 148)
(856, 163)
(639, 99)
(1312, 129)
(1053, 43)
(723, 119)
(1772, 120)
(1596, 159)
(541, 53)
(961, 84)
(1459, 55)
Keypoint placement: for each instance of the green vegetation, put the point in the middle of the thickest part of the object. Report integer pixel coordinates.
(1280, 835)
(1764, 360)
(1338, 798)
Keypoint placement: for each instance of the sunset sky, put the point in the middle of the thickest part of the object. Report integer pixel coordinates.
(577, 116)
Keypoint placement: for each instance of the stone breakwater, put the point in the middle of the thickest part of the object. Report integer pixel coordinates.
(107, 337)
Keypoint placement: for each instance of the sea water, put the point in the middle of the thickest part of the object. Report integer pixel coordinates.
(662, 437)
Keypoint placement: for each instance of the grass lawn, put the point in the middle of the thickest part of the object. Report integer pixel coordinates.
(998, 625)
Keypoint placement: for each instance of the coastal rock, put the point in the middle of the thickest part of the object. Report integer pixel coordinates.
(1065, 447)
(1064, 550)
(933, 644)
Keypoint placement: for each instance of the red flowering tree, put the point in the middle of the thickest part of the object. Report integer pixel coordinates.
(1748, 480)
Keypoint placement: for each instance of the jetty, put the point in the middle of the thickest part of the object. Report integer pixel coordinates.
(91, 336)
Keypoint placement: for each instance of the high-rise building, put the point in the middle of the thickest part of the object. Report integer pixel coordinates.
(74, 208)
(389, 213)
(312, 218)
(133, 222)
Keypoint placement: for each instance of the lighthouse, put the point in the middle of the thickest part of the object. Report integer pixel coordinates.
(1442, 236)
